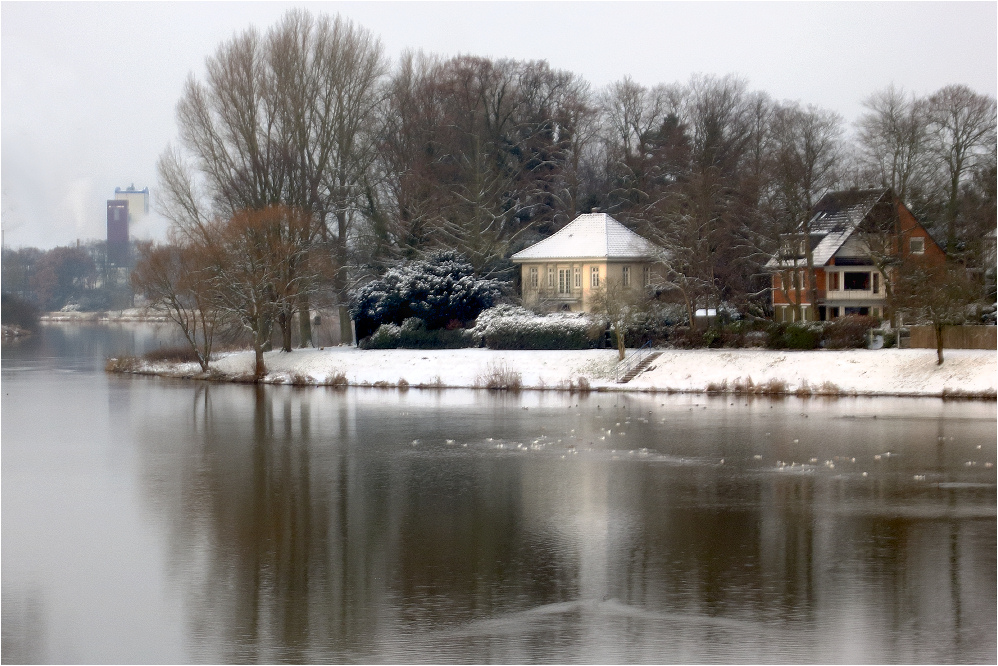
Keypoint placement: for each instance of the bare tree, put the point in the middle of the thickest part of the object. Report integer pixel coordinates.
(805, 156)
(893, 139)
(936, 293)
(619, 304)
(962, 131)
(176, 279)
(249, 280)
(285, 118)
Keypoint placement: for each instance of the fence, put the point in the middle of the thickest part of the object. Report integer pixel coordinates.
(955, 337)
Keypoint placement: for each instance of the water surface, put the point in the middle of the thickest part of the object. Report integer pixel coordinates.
(169, 521)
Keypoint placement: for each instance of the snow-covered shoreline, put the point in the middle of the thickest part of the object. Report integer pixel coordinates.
(893, 372)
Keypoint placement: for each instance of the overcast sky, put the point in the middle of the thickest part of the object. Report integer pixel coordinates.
(88, 90)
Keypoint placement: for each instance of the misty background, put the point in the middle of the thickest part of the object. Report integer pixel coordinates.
(88, 90)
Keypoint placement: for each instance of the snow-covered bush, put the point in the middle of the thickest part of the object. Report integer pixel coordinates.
(442, 290)
(513, 327)
(413, 334)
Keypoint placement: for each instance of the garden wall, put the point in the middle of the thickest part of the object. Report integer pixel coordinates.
(955, 337)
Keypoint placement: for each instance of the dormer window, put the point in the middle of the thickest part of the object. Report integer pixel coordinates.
(792, 247)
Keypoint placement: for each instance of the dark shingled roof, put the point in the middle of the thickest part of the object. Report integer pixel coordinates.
(834, 219)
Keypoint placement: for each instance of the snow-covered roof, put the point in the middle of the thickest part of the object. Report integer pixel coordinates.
(836, 216)
(590, 236)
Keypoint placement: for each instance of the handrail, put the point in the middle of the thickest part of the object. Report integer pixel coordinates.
(628, 363)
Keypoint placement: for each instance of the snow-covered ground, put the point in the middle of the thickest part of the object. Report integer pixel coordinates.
(862, 372)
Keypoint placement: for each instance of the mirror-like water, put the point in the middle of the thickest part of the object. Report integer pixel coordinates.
(156, 520)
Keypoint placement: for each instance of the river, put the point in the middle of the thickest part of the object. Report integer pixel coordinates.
(155, 520)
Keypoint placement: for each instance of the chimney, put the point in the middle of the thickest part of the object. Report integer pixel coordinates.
(595, 210)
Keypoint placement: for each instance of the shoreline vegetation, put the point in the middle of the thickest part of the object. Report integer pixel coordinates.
(967, 374)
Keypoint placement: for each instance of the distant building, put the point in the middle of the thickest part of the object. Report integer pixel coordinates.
(563, 271)
(117, 232)
(138, 202)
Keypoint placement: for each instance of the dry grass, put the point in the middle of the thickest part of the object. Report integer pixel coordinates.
(829, 388)
(301, 379)
(437, 383)
(960, 394)
(336, 380)
(499, 377)
(381, 384)
(714, 387)
(122, 364)
(747, 386)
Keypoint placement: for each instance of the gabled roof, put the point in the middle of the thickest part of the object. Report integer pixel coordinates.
(837, 215)
(590, 236)
(834, 219)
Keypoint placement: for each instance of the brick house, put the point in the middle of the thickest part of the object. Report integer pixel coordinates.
(854, 236)
(563, 271)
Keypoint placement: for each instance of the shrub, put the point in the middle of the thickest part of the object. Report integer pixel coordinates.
(794, 336)
(848, 332)
(438, 290)
(17, 312)
(512, 327)
(180, 354)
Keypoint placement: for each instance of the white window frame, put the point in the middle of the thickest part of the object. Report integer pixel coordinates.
(625, 275)
(912, 243)
(534, 278)
(594, 276)
(564, 280)
(550, 277)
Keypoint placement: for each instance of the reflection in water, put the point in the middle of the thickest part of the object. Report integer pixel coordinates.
(368, 525)
(160, 520)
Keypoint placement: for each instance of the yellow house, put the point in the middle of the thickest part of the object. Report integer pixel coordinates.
(563, 271)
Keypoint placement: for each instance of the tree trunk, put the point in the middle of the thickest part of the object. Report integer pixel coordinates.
(259, 343)
(304, 321)
(939, 344)
(346, 331)
(286, 321)
(617, 331)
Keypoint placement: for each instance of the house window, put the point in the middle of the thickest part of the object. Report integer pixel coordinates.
(594, 277)
(578, 278)
(876, 283)
(646, 276)
(550, 278)
(916, 245)
(856, 281)
(833, 281)
(533, 277)
(625, 274)
(564, 286)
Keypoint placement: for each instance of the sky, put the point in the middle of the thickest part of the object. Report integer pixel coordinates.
(88, 90)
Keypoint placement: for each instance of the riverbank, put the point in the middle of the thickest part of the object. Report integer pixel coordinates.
(892, 372)
(117, 316)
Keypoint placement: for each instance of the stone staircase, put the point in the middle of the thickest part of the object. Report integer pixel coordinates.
(639, 367)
